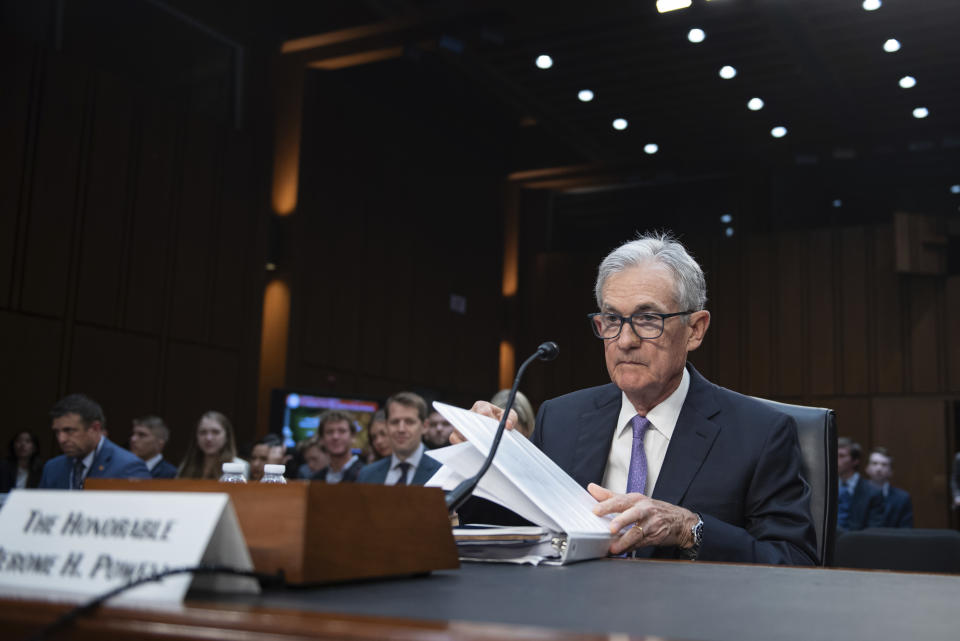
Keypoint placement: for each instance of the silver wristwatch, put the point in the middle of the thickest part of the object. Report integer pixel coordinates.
(697, 532)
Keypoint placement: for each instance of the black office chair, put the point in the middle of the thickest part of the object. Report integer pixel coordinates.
(817, 432)
(904, 549)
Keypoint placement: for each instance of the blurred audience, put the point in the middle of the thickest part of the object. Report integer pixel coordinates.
(897, 506)
(147, 440)
(860, 503)
(77, 424)
(213, 446)
(269, 450)
(377, 436)
(313, 456)
(407, 465)
(336, 434)
(23, 466)
(523, 408)
(438, 430)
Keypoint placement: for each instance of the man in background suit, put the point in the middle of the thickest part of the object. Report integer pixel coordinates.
(408, 465)
(78, 425)
(897, 506)
(860, 504)
(147, 440)
(336, 434)
(691, 470)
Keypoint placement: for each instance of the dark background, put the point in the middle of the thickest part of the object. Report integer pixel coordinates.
(136, 156)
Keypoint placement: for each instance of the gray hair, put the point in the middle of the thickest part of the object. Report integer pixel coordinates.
(689, 282)
(156, 425)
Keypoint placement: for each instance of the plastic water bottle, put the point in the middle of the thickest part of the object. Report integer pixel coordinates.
(233, 473)
(273, 473)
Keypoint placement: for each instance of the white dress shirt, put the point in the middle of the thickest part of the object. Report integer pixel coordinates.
(663, 420)
(414, 460)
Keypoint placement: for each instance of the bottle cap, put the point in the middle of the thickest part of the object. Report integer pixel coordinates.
(273, 468)
(233, 468)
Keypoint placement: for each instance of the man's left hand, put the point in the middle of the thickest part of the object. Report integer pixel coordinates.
(654, 522)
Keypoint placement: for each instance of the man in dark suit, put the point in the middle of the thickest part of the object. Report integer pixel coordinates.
(897, 506)
(690, 469)
(78, 425)
(860, 503)
(336, 434)
(408, 465)
(147, 440)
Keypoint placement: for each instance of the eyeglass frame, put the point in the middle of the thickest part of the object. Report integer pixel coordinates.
(629, 319)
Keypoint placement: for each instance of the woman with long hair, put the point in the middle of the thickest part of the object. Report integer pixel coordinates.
(23, 466)
(379, 442)
(213, 446)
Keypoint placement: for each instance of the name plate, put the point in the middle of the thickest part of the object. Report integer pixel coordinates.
(73, 546)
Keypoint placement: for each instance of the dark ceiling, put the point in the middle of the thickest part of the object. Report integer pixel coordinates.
(818, 65)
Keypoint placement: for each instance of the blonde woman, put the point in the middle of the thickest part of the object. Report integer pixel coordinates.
(213, 446)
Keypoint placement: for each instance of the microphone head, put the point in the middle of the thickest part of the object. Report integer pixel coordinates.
(548, 351)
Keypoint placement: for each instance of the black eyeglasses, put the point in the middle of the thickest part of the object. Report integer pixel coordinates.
(645, 325)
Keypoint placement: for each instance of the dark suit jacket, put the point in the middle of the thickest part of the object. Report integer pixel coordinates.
(164, 470)
(732, 459)
(112, 462)
(897, 508)
(377, 472)
(866, 506)
(349, 475)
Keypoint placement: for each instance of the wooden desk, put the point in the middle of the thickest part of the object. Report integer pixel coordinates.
(672, 600)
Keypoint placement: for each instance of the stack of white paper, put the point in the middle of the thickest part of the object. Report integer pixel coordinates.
(525, 480)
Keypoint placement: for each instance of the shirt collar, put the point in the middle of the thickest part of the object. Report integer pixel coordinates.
(852, 481)
(413, 459)
(88, 459)
(153, 462)
(663, 417)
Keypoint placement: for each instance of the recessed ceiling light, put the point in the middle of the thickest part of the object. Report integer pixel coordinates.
(664, 6)
(754, 104)
(585, 95)
(651, 148)
(837, 203)
(726, 219)
(779, 131)
(891, 45)
(620, 124)
(544, 61)
(908, 82)
(728, 231)
(871, 5)
(955, 189)
(696, 35)
(727, 72)
(921, 112)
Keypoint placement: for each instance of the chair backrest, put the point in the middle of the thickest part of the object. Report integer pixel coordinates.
(817, 432)
(902, 549)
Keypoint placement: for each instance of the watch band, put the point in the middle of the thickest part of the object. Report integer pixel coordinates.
(697, 532)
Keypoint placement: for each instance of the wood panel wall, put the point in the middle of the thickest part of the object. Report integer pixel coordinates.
(814, 317)
(399, 209)
(130, 265)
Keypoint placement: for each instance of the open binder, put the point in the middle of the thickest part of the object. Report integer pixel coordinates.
(525, 480)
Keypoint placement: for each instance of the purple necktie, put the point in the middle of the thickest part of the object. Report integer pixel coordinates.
(637, 480)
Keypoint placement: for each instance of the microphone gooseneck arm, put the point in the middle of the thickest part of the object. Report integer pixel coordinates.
(547, 352)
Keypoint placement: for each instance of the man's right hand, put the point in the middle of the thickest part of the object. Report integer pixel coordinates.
(487, 409)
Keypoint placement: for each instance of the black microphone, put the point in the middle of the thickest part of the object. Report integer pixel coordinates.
(546, 352)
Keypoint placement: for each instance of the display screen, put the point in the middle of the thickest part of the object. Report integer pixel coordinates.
(295, 415)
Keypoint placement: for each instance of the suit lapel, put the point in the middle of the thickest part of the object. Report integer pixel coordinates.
(101, 460)
(594, 436)
(425, 470)
(692, 439)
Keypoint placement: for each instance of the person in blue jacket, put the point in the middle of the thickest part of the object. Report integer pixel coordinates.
(78, 423)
